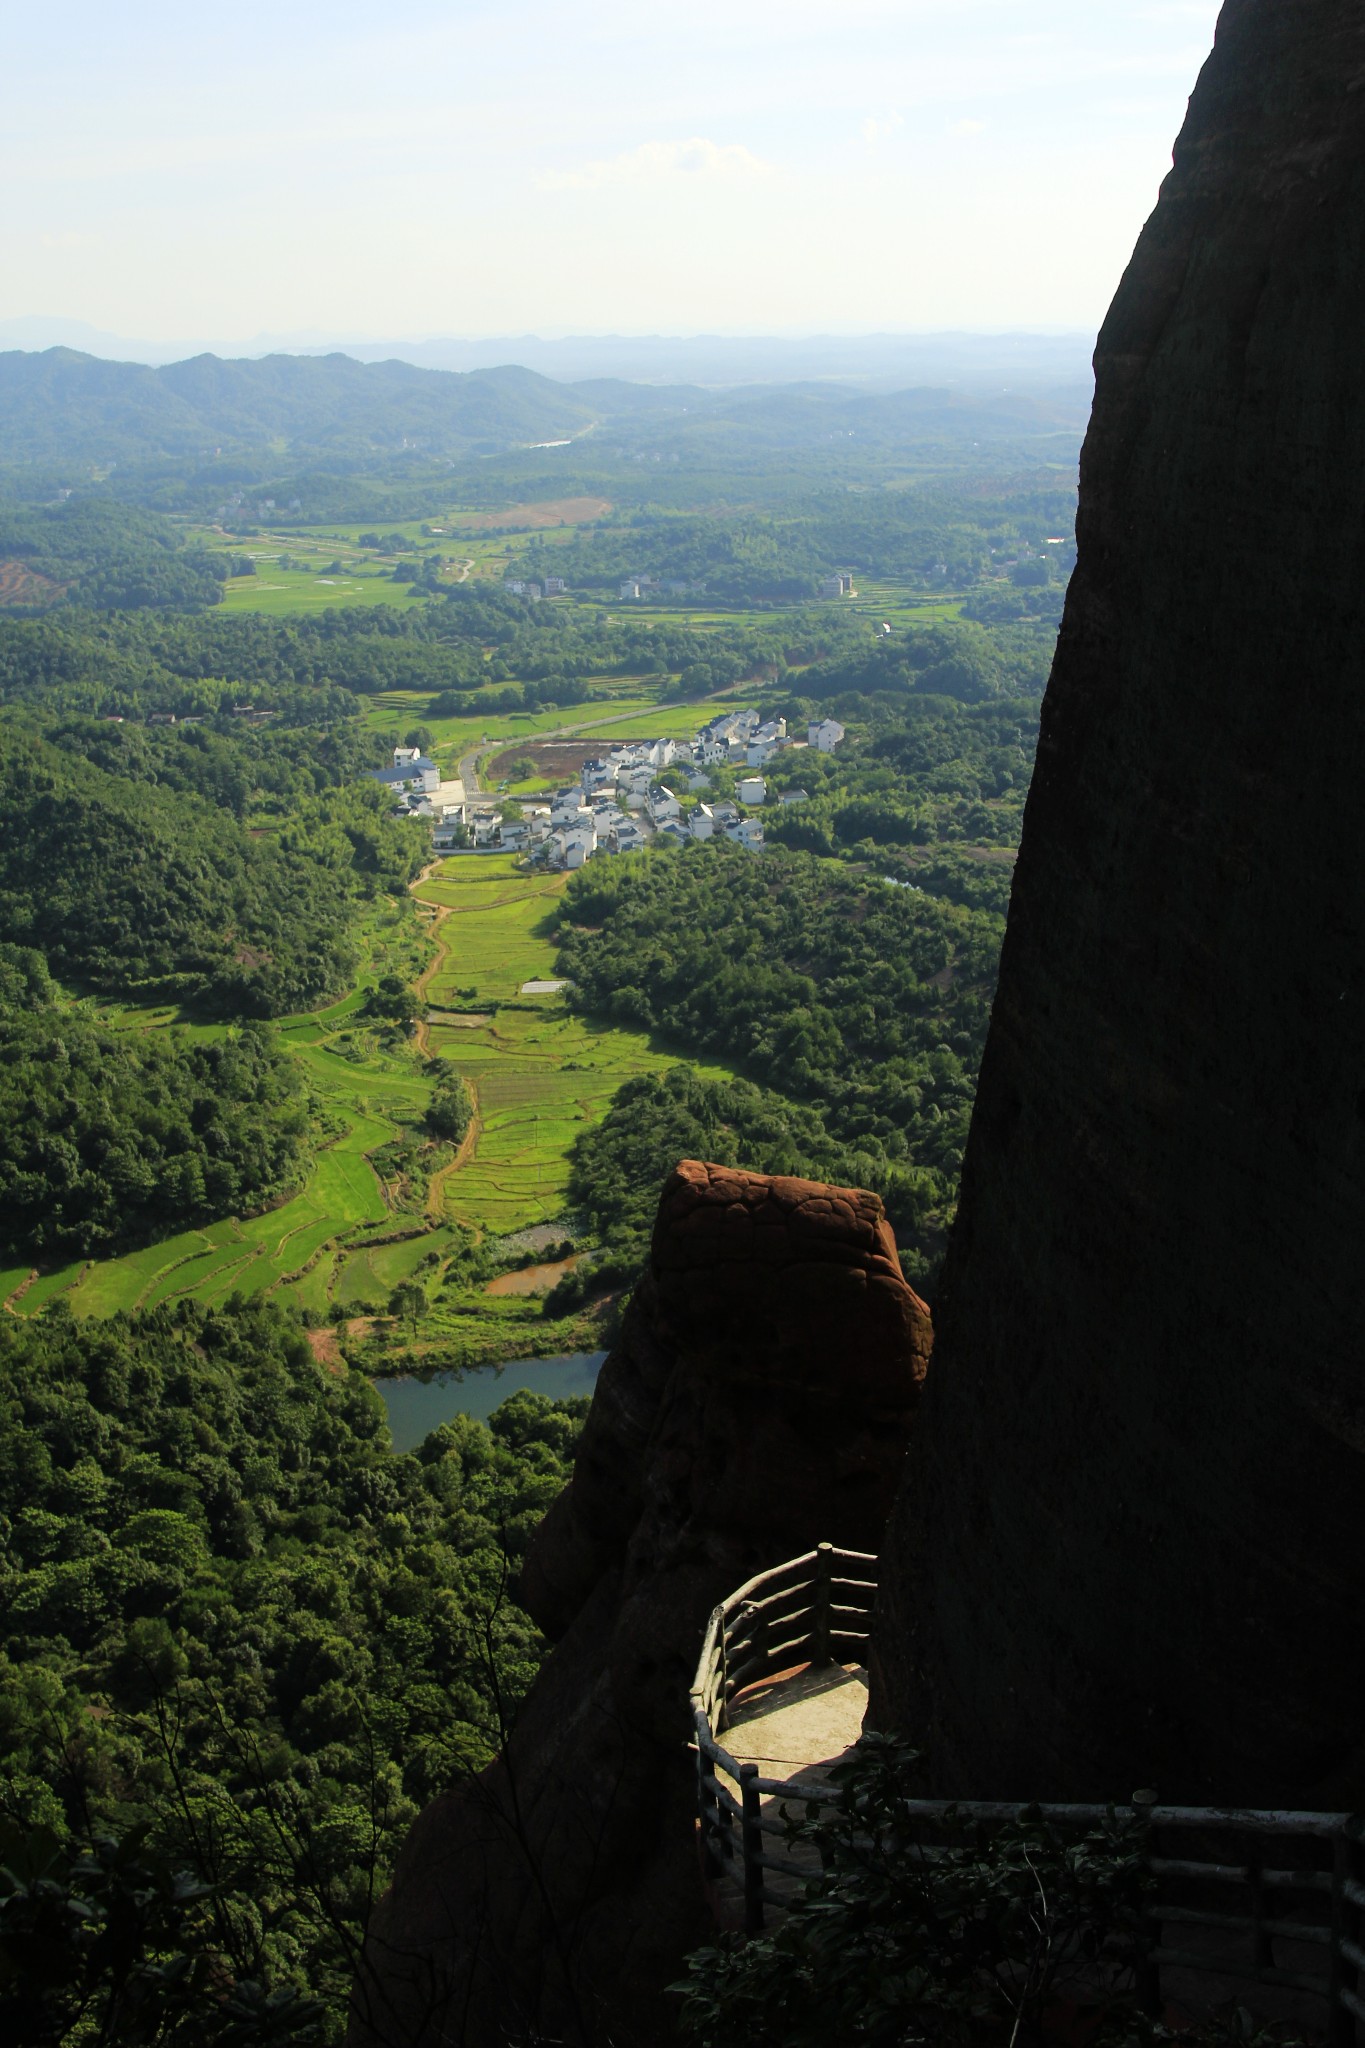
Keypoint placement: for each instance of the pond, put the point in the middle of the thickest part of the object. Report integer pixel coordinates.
(417, 1406)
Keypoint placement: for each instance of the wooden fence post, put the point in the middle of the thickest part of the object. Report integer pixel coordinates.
(821, 1642)
(752, 1842)
(707, 1818)
(1342, 1975)
(1146, 1969)
(723, 1672)
(1262, 1944)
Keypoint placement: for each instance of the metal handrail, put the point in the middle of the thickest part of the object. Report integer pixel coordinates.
(789, 1616)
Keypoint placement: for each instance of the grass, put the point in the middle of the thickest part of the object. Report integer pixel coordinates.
(540, 1076)
(675, 721)
(497, 932)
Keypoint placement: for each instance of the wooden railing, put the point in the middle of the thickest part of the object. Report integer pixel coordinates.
(815, 1609)
(1223, 1875)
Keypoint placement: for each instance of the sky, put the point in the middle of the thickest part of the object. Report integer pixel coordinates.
(486, 167)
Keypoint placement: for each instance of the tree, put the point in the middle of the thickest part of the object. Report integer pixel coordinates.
(392, 1000)
(896, 1947)
(408, 1303)
(109, 1942)
(451, 1107)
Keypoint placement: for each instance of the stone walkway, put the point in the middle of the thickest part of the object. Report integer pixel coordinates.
(799, 1723)
(795, 1726)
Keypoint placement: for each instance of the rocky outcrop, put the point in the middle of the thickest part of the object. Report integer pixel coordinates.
(759, 1401)
(1128, 1550)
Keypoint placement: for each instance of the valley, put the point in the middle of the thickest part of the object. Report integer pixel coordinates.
(353, 1233)
(295, 1108)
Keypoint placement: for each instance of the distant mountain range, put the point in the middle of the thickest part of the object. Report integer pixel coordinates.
(64, 405)
(962, 361)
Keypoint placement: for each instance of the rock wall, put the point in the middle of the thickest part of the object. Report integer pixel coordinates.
(759, 1401)
(1128, 1550)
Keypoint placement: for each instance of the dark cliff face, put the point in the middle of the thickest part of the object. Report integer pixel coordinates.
(1129, 1545)
(759, 1401)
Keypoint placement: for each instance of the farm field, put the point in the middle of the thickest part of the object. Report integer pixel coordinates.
(630, 716)
(890, 601)
(20, 585)
(281, 1249)
(474, 546)
(538, 1070)
(545, 514)
(406, 707)
(277, 592)
(348, 1237)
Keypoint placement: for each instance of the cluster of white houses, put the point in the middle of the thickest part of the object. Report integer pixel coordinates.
(620, 800)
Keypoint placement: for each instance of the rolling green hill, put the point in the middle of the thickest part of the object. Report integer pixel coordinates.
(60, 404)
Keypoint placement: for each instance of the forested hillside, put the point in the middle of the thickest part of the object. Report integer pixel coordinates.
(139, 891)
(234, 1617)
(95, 553)
(60, 404)
(864, 1003)
(473, 638)
(111, 1138)
(930, 539)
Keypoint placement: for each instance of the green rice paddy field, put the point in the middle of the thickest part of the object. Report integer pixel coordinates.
(538, 1074)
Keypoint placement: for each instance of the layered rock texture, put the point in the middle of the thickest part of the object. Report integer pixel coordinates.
(759, 1401)
(1130, 1547)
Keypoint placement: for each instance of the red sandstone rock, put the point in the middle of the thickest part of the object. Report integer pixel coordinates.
(759, 1401)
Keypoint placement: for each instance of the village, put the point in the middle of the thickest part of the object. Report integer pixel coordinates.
(621, 801)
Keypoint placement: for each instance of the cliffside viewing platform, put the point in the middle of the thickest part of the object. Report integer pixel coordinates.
(1237, 1896)
(781, 1676)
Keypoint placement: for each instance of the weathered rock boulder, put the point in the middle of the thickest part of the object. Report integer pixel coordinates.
(759, 1401)
(1129, 1546)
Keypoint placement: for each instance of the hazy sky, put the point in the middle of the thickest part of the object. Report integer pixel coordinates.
(503, 166)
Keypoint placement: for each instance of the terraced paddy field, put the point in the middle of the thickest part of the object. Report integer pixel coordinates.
(359, 1225)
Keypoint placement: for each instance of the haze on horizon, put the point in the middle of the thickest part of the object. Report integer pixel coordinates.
(748, 166)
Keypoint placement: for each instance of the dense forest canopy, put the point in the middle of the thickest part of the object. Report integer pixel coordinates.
(111, 1138)
(314, 670)
(931, 540)
(233, 1615)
